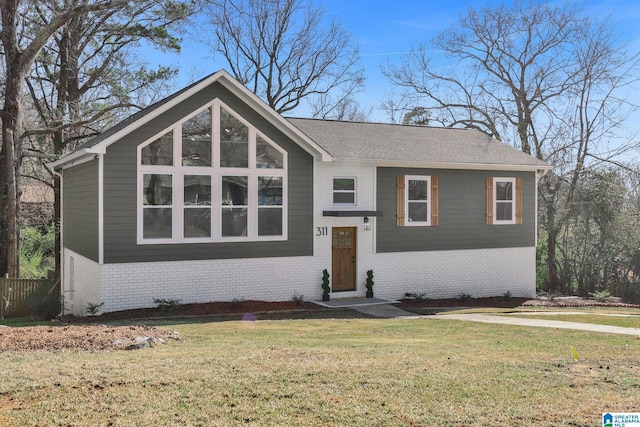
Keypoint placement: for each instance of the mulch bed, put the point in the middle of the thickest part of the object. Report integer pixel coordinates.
(233, 309)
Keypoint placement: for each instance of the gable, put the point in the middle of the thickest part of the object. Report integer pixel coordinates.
(124, 181)
(99, 144)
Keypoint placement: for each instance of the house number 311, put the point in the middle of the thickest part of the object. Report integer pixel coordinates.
(322, 231)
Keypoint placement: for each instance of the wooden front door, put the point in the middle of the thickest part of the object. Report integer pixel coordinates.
(343, 277)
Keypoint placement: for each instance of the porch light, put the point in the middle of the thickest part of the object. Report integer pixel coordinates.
(367, 223)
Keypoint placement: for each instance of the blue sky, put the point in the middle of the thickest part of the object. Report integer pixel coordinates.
(387, 29)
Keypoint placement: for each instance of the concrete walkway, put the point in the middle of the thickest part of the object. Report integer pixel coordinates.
(540, 323)
(390, 311)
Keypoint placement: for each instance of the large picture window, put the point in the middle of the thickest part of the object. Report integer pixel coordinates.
(211, 177)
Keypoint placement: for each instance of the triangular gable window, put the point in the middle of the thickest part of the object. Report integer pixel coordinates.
(159, 152)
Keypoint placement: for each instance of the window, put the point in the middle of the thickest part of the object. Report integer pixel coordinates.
(270, 198)
(196, 140)
(211, 177)
(344, 191)
(234, 141)
(197, 206)
(504, 200)
(417, 200)
(157, 205)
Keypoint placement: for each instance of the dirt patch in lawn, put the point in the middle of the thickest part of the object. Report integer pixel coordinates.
(77, 337)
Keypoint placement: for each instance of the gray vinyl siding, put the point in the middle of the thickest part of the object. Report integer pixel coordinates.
(120, 210)
(80, 209)
(462, 214)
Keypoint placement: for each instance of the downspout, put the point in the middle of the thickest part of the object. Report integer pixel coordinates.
(100, 158)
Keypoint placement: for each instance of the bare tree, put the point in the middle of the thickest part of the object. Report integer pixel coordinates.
(282, 51)
(396, 106)
(346, 109)
(19, 53)
(549, 80)
(88, 77)
(22, 40)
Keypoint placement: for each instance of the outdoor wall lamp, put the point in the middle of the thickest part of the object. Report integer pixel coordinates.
(367, 223)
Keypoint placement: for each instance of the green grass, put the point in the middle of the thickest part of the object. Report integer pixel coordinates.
(599, 319)
(360, 372)
(23, 321)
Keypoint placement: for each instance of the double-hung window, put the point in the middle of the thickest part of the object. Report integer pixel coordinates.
(417, 200)
(417, 197)
(504, 200)
(211, 177)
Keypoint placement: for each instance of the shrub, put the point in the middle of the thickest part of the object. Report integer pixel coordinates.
(237, 302)
(166, 304)
(325, 282)
(369, 283)
(297, 298)
(464, 297)
(92, 308)
(36, 252)
(601, 296)
(45, 302)
(629, 292)
(416, 296)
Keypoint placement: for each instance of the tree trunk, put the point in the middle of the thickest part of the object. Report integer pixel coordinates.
(9, 192)
(552, 242)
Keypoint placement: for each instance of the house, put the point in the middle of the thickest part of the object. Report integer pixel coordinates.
(210, 195)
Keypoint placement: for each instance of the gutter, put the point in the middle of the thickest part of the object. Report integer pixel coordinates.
(77, 157)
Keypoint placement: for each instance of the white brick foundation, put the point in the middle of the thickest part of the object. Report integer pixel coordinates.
(446, 274)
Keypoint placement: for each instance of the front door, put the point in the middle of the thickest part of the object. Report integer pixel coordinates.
(343, 259)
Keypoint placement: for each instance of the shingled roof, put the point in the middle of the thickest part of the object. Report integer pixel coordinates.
(423, 145)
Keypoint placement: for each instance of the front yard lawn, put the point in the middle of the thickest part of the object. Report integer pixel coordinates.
(361, 372)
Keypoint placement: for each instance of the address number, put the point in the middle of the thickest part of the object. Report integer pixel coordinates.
(322, 231)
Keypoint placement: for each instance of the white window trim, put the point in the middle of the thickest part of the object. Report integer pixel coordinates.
(354, 191)
(496, 201)
(407, 222)
(216, 172)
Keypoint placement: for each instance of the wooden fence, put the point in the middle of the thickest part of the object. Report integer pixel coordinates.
(14, 294)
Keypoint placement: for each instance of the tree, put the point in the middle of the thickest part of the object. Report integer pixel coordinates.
(346, 109)
(87, 77)
(417, 116)
(282, 51)
(549, 80)
(19, 54)
(27, 26)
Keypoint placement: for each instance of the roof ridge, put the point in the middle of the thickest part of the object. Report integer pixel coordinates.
(384, 124)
